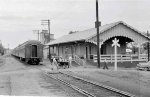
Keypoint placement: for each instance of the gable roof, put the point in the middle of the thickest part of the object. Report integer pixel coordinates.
(28, 42)
(87, 34)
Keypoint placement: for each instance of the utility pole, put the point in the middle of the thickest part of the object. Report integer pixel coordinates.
(38, 33)
(97, 26)
(148, 46)
(47, 22)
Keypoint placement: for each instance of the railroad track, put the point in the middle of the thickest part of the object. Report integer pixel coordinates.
(85, 87)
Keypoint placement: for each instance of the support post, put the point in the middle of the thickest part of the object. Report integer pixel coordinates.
(111, 58)
(139, 52)
(131, 58)
(72, 51)
(49, 53)
(115, 57)
(115, 44)
(53, 49)
(148, 51)
(148, 47)
(58, 50)
(97, 26)
(121, 58)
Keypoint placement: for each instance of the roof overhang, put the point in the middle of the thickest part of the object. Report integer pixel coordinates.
(124, 31)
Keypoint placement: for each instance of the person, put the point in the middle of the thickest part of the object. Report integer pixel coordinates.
(55, 63)
(70, 61)
(51, 60)
(105, 64)
(60, 59)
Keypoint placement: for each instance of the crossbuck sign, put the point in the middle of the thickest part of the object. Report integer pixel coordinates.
(115, 44)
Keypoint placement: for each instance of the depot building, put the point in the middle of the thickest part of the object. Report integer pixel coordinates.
(83, 44)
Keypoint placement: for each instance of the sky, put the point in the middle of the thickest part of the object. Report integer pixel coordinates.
(18, 18)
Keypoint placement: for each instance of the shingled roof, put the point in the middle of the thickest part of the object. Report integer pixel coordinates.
(87, 34)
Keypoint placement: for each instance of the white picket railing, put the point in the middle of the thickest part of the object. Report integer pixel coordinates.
(77, 59)
(110, 58)
(122, 57)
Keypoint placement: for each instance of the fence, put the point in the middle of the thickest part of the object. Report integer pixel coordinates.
(122, 57)
(77, 59)
(110, 58)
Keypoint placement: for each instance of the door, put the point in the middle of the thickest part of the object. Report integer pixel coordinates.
(34, 50)
(86, 52)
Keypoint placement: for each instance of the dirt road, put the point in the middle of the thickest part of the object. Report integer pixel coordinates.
(17, 79)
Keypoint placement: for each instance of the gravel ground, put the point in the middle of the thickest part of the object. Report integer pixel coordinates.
(5, 85)
(20, 80)
(11, 65)
(23, 80)
(17, 79)
(125, 79)
(132, 81)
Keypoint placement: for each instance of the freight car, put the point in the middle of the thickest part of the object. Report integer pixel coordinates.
(30, 51)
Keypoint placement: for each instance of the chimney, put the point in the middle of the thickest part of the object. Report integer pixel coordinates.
(99, 24)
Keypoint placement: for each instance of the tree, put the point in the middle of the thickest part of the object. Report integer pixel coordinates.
(71, 32)
(1, 49)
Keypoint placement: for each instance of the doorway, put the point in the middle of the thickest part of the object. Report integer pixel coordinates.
(86, 52)
(34, 50)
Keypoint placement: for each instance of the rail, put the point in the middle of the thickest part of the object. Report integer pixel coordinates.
(102, 86)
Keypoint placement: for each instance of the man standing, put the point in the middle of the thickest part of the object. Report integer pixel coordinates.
(105, 64)
(70, 61)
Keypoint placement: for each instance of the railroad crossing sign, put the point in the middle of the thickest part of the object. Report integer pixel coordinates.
(115, 44)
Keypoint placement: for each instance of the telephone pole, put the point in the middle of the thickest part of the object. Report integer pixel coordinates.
(47, 22)
(97, 26)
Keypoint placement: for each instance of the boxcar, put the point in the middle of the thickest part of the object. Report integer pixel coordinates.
(30, 51)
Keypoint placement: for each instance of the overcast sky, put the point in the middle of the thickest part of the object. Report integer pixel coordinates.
(18, 18)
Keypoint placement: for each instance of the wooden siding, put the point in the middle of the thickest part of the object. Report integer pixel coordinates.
(108, 49)
(120, 30)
